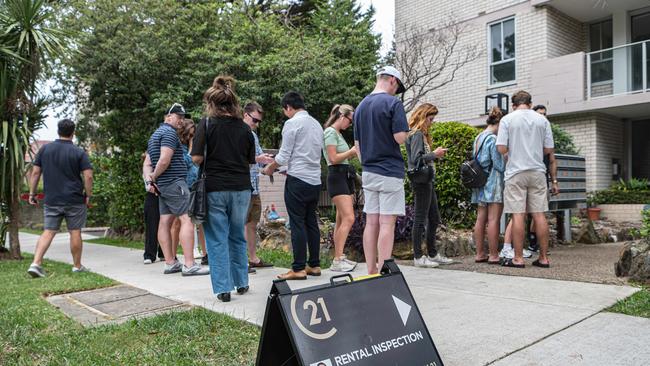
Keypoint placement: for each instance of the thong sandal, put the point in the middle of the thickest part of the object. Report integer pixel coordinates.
(509, 263)
(537, 263)
(493, 262)
(482, 260)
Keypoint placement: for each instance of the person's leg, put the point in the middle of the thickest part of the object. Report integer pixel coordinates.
(518, 233)
(238, 203)
(386, 238)
(151, 219)
(186, 237)
(164, 237)
(433, 220)
(251, 241)
(311, 225)
(76, 247)
(370, 238)
(217, 229)
(344, 222)
(294, 201)
(479, 232)
(541, 225)
(494, 220)
(422, 199)
(201, 238)
(42, 245)
(175, 235)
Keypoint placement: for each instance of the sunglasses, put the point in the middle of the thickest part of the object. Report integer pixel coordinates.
(255, 120)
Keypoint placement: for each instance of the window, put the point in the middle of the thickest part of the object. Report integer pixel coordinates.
(600, 38)
(502, 51)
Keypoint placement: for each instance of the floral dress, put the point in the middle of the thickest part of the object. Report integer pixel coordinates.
(494, 165)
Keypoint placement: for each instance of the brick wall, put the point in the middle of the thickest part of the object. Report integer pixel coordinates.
(623, 213)
(600, 139)
(564, 34)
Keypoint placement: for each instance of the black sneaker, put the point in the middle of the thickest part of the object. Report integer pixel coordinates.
(204, 260)
(224, 296)
(242, 290)
(532, 242)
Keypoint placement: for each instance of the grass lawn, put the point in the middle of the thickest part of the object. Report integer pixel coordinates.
(637, 304)
(35, 333)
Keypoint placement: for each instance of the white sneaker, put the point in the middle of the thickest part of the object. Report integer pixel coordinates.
(527, 253)
(80, 269)
(341, 265)
(36, 271)
(197, 253)
(441, 259)
(148, 261)
(345, 259)
(424, 262)
(507, 253)
(195, 270)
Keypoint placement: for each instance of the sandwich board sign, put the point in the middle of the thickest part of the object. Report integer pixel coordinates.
(373, 321)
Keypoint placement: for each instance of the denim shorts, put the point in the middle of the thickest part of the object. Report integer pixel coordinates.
(174, 198)
(75, 216)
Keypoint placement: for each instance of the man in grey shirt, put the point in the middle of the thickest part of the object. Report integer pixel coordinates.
(525, 137)
(302, 143)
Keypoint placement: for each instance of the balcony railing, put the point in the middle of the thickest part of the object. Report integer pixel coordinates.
(619, 70)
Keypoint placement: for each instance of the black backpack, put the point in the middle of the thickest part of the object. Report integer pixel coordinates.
(472, 174)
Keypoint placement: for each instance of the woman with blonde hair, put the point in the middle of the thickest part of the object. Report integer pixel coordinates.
(489, 198)
(421, 173)
(340, 180)
(225, 145)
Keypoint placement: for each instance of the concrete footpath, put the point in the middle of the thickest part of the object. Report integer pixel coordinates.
(474, 318)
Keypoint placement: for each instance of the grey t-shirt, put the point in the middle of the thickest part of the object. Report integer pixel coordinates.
(526, 133)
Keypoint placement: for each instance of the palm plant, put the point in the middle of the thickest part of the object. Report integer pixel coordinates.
(27, 44)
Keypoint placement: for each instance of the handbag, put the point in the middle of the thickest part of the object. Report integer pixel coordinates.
(198, 210)
(421, 174)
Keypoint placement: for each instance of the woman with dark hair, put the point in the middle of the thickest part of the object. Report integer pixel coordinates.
(340, 180)
(489, 198)
(420, 163)
(229, 149)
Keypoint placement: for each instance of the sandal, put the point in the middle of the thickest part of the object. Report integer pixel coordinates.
(482, 260)
(493, 262)
(537, 263)
(509, 263)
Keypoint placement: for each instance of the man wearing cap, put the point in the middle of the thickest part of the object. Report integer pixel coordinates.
(166, 171)
(380, 126)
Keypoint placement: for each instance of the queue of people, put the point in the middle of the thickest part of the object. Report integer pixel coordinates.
(224, 148)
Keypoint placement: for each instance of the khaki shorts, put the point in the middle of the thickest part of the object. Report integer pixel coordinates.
(383, 195)
(526, 192)
(254, 209)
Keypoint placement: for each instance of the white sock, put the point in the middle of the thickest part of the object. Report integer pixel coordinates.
(507, 246)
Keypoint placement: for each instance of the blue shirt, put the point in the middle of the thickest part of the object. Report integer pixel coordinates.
(376, 119)
(61, 163)
(192, 169)
(166, 136)
(255, 168)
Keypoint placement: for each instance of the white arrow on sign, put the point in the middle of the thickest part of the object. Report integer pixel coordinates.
(403, 309)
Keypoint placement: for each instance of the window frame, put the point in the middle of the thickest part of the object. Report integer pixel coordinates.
(491, 63)
(602, 59)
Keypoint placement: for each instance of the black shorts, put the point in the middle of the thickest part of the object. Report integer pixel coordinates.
(340, 180)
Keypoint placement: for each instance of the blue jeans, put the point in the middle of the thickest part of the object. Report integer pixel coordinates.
(224, 239)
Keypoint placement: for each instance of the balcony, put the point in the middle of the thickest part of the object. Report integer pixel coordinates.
(618, 70)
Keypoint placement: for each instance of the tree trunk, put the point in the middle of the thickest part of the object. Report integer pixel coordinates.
(14, 225)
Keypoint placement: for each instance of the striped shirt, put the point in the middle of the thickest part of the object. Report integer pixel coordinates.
(255, 168)
(165, 136)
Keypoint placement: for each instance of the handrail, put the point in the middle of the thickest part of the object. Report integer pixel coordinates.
(617, 47)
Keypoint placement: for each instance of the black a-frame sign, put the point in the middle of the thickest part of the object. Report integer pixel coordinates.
(373, 321)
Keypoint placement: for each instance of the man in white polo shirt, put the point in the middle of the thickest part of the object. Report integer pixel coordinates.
(302, 143)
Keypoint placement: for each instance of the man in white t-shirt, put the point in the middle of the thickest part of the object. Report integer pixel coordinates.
(525, 136)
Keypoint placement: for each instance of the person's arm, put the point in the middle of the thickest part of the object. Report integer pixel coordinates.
(198, 143)
(358, 149)
(502, 138)
(400, 137)
(147, 169)
(549, 149)
(166, 154)
(336, 157)
(88, 184)
(289, 133)
(33, 183)
(399, 125)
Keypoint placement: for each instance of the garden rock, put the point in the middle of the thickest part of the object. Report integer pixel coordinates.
(449, 242)
(274, 235)
(635, 261)
(587, 234)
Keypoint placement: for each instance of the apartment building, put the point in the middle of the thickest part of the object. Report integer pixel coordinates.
(588, 61)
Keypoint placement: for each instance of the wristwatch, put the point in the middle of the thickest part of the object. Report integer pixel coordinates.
(554, 181)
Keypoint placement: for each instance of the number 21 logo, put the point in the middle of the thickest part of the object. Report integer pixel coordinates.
(314, 319)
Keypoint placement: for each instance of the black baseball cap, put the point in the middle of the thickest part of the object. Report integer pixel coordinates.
(177, 108)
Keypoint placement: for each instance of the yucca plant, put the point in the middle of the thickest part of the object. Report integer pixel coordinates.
(27, 44)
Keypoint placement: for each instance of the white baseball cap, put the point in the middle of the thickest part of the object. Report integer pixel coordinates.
(390, 70)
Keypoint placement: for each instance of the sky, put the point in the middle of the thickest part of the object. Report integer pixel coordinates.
(384, 25)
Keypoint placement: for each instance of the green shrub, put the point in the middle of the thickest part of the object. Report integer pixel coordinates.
(645, 224)
(631, 185)
(119, 193)
(563, 141)
(615, 196)
(453, 197)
